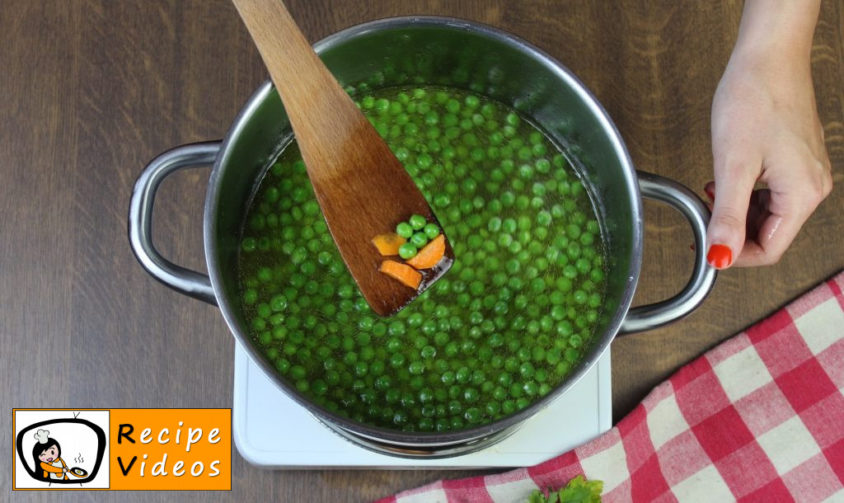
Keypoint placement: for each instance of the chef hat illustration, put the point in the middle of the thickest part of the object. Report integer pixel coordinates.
(41, 436)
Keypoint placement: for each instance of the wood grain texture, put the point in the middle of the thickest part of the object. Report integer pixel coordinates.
(91, 90)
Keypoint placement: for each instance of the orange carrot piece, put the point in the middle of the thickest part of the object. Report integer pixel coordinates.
(402, 272)
(430, 255)
(388, 244)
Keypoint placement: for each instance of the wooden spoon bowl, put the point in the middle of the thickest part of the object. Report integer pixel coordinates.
(362, 188)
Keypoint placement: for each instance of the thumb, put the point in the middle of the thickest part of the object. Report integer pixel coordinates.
(725, 235)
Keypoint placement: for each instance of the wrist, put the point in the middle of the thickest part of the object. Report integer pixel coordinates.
(779, 29)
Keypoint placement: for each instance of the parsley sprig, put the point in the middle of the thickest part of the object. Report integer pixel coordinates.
(578, 490)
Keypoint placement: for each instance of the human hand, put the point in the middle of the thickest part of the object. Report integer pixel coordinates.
(765, 128)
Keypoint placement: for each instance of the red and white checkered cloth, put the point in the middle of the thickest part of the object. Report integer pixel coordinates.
(758, 418)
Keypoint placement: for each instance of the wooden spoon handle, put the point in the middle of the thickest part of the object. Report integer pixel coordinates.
(314, 101)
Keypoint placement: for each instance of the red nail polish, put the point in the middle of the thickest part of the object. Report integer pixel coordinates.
(710, 193)
(719, 256)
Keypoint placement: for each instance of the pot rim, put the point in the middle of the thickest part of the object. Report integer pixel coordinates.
(474, 435)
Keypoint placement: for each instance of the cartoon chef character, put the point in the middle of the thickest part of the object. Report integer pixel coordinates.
(47, 455)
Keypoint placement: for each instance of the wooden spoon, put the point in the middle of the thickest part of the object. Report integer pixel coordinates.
(362, 188)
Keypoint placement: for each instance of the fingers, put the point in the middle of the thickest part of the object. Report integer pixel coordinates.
(772, 223)
(778, 219)
(725, 235)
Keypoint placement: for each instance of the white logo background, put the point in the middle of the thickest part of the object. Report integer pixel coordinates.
(78, 446)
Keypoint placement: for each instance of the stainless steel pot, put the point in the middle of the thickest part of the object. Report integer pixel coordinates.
(437, 51)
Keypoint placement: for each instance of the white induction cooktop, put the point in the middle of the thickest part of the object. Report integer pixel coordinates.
(273, 431)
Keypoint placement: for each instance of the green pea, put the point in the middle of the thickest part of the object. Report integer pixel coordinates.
(431, 230)
(530, 388)
(419, 239)
(397, 360)
(417, 222)
(263, 310)
(428, 352)
(512, 119)
(526, 369)
(250, 296)
(408, 250)
(249, 244)
(580, 297)
(526, 171)
(265, 274)
(404, 230)
(396, 328)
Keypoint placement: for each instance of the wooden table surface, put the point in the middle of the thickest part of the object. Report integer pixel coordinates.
(92, 90)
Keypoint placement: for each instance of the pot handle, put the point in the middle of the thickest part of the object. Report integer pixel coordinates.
(690, 205)
(186, 281)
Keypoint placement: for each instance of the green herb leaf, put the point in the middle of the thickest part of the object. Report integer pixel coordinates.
(578, 490)
(536, 497)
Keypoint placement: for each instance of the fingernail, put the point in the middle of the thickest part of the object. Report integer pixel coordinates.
(709, 193)
(719, 256)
